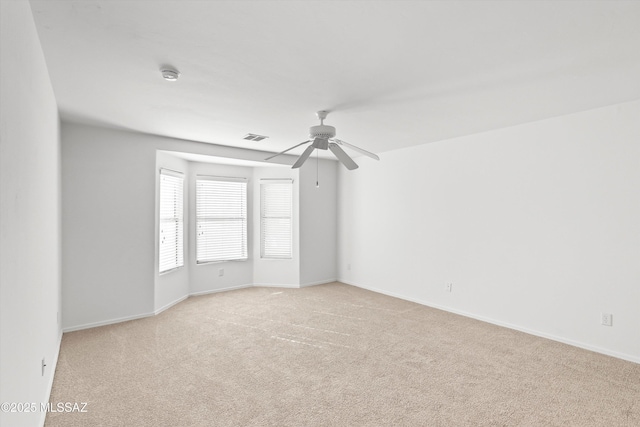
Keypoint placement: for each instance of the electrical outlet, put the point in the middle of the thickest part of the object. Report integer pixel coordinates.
(606, 319)
(449, 287)
(43, 366)
(221, 272)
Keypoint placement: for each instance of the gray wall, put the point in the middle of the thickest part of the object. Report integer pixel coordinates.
(109, 226)
(109, 196)
(108, 211)
(318, 207)
(29, 217)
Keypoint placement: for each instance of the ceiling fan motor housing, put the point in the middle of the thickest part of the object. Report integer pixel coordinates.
(322, 131)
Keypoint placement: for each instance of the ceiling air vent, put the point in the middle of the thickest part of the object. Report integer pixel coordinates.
(254, 137)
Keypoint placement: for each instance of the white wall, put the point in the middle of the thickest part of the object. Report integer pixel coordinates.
(536, 226)
(277, 272)
(205, 278)
(173, 286)
(318, 221)
(29, 217)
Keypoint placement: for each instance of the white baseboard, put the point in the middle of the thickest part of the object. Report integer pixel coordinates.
(563, 340)
(215, 291)
(275, 285)
(142, 316)
(192, 294)
(106, 322)
(320, 282)
(52, 366)
(290, 286)
(171, 304)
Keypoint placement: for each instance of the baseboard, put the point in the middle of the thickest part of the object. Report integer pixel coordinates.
(142, 316)
(275, 285)
(215, 291)
(171, 304)
(289, 286)
(106, 322)
(192, 294)
(320, 282)
(563, 340)
(53, 364)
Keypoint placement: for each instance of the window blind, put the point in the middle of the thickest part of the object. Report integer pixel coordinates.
(276, 206)
(171, 248)
(221, 219)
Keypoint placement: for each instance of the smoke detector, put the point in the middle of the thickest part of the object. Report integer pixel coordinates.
(170, 74)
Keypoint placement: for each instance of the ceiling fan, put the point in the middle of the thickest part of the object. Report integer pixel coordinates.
(322, 137)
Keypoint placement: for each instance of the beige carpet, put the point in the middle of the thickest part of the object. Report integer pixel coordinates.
(332, 355)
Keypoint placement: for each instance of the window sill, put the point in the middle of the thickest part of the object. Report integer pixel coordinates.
(221, 261)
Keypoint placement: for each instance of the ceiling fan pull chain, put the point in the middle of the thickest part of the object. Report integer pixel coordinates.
(317, 170)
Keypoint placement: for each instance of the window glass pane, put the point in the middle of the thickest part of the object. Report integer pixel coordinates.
(221, 220)
(171, 221)
(276, 205)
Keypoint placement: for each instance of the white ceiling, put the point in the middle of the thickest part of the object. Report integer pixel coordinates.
(393, 74)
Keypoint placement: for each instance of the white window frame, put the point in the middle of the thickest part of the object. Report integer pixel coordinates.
(170, 221)
(276, 219)
(214, 243)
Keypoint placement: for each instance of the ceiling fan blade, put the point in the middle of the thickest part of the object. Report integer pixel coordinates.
(342, 156)
(303, 157)
(358, 149)
(282, 152)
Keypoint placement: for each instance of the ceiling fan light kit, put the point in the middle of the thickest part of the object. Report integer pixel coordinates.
(323, 137)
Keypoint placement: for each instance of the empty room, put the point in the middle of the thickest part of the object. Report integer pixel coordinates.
(319, 213)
